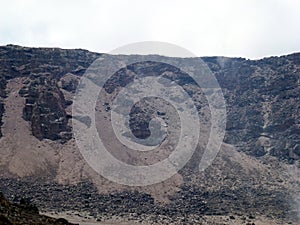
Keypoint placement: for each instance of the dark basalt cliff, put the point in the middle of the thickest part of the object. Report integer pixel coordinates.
(263, 104)
(44, 68)
(45, 108)
(262, 96)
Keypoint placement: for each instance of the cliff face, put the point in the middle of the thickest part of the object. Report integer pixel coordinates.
(263, 104)
(43, 68)
(262, 96)
(262, 140)
(45, 108)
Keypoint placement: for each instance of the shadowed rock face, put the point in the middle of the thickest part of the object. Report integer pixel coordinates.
(2, 95)
(44, 102)
(45, 108)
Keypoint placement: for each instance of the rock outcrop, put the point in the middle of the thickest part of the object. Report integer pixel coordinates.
(45, 108)
(45, 104)
(263, 104)
(24, 214)
(2, 96)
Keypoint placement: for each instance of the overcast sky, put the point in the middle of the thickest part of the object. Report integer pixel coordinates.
(250, 28)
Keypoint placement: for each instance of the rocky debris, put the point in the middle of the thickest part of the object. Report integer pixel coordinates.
(24, 214)
(191, 202)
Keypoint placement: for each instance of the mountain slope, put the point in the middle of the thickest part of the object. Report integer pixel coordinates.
(256, 171)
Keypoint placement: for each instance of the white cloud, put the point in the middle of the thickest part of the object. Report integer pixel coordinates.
(249, 28)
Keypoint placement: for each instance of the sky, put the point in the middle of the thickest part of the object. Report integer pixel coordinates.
(235, 28)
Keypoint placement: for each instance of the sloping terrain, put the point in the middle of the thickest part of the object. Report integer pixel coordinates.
(255, 173)
(24, 213)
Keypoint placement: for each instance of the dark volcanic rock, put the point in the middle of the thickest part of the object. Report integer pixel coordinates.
(191, 200)
(24, 214)
(262, 96)
(45, 107)
(262, 102)
(45, 104)
(69, 82)
(2, 95)
(1, 114)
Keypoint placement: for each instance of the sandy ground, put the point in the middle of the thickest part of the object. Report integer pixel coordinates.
(74, 218)
(206, 220)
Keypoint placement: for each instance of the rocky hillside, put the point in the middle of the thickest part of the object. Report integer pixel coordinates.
(44, 101)
(263, 105)
(261, 96)
(24, 213)
(255, 173)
